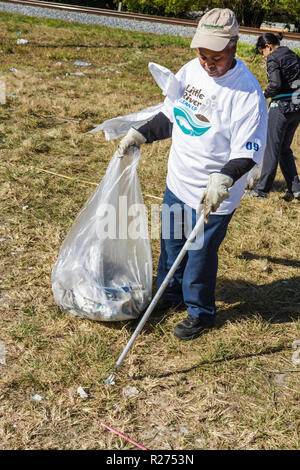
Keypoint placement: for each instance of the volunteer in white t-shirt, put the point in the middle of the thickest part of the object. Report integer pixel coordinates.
(218, 127)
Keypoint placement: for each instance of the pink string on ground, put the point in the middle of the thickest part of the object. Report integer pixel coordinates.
(123, 435)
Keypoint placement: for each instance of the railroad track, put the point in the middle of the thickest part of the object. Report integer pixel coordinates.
(138, 16)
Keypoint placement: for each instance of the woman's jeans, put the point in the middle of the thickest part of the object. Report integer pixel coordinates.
(281, 130)
(195, 279)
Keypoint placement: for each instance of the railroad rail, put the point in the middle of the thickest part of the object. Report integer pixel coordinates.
(141, 17)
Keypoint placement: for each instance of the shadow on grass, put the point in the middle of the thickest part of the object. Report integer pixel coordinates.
(210, 362)
(283, 261)
(275, 302)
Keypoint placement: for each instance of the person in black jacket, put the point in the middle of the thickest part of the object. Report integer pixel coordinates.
(283, 72)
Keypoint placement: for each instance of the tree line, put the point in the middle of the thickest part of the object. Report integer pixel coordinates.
(248, 12)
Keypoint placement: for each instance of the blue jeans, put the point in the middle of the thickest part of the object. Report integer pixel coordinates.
(195, 279)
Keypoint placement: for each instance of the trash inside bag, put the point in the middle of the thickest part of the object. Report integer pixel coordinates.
(104, 268)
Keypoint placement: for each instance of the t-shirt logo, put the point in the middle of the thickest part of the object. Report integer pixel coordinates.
(191, 111)
(190, 123)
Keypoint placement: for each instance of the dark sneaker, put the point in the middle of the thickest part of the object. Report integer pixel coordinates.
(296, 188)
(192, 327)
(163, 306)
(288, 195)
(256, 193)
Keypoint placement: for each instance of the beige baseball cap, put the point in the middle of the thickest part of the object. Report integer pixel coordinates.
(215, 29)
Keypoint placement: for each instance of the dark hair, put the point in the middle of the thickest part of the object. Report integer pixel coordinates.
(268, 38)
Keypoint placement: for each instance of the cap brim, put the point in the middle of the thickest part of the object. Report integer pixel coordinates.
(213, 43)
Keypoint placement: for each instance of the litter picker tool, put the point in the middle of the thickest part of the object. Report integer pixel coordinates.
(186, 246)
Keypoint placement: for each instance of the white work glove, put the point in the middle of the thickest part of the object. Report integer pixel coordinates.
(215, 193)
(253, 177)
(132, 138)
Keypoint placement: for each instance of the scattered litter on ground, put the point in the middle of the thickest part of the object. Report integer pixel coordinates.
(110, 380)
(58, 78)
(279, 212)
(2, 240)
(15, 72)
(200, 441)
(24, 208)
(82, 64)
(284, 282)
(267, 268)
(279, 379)
(58, 64)
(296, 354)
(82, 393)
(12, 95)
(3, 140)
(36, 397)
(183, 429)
(2, 353)
(22, 41)
(130, 391)
(123, 435)
(5, 300)
(296, 357)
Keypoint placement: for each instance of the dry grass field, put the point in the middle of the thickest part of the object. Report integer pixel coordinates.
(235, 387)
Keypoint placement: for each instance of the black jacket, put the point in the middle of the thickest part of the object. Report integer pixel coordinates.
(283, 71)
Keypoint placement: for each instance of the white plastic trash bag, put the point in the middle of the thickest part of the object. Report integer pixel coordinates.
(104, 268)
(120, 125)
(166, 81)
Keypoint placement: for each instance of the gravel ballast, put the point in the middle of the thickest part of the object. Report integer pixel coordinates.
(131, 25)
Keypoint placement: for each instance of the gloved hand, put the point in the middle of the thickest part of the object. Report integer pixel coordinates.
(215, 193)
(132, 138)
(253, 177)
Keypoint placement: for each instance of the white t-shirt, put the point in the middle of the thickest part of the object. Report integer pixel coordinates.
(214, 120)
